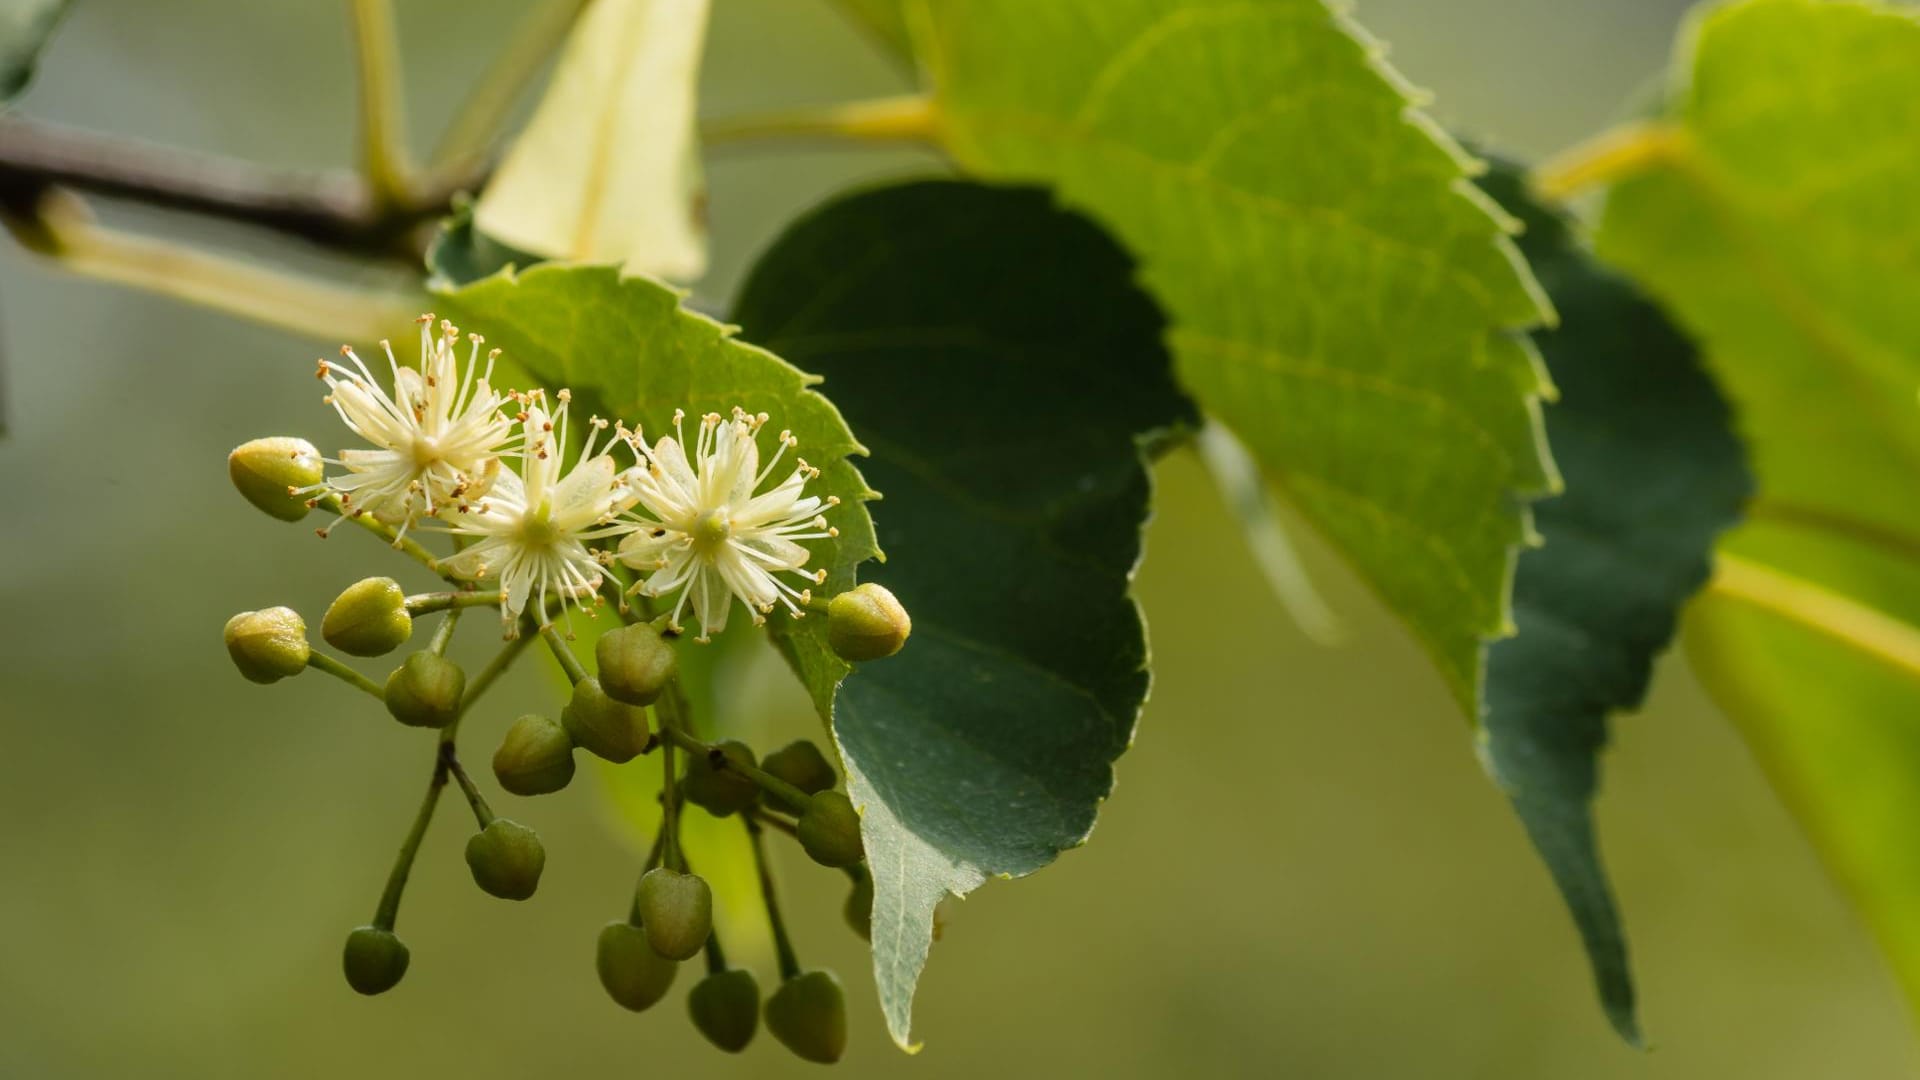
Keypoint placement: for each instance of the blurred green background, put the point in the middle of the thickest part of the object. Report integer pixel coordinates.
(1303, 873)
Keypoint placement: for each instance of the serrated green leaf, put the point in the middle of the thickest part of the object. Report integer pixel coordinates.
(608, 169)
(1774, 215)
(25, 26)
(961, 327)
(628, 350)
(1339, 295)
(1654, 473)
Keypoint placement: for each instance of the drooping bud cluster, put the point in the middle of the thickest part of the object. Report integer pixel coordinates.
(543, 519)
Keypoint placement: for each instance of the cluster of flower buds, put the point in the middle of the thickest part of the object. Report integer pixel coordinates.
(683, 528)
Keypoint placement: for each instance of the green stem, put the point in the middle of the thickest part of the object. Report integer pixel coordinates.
(908, 118)
(564, 654)
(383, 138)
(428, 603)
(716, 956)
(497, 666)
(481, 811)
(1607, 158)
(404, 544)
(389, 909)
(780, 824)
(669, 802)
(653, 860)
(472, 132)
(443, 634)
(767, 782)
(782, 945)
(322, 662)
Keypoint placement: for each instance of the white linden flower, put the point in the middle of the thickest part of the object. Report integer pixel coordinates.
(439, 435)
(706, 532)
(532, 528)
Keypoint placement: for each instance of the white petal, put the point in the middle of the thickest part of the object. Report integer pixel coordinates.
(711, 601)
(644, 547)
(672, 458)
(753, 585)
(585, 496)
(775, 505)
(680, 564)
(518, 581)
(783, 554)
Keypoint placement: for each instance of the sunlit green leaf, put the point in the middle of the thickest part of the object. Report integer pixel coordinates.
(609, 167)
(1339, 295)
(1653, 474)
(1775, 217)
(25, 26)
(960, 328)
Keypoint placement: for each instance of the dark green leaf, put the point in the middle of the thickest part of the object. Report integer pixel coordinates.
(996, 355)
(461, 254)
(1653, 474)
(25, 26)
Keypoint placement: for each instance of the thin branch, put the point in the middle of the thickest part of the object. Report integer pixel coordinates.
(332, 208)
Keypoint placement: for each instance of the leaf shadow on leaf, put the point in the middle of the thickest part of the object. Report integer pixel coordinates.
(959, 328)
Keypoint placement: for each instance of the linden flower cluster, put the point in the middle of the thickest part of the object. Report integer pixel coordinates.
(550, 521)
(450, 453)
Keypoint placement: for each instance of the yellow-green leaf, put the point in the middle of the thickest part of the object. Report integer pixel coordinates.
(1340, 296)
(1774, 213)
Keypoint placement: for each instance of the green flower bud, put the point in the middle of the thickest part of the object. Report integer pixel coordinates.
(368, 619)
(604, 727)
(635, 976)
(725, 1006)
(830, 830)
(720, 791)
(535, 758)
(867, 623)
(676, 910)
(267, 470)
(506, 858)
(375, 960)
(801, 764)
(808, 1015)
(269, 645)
(858, 910)
(425, 690)
(635, 663)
